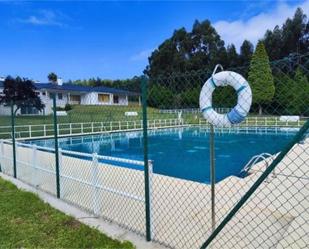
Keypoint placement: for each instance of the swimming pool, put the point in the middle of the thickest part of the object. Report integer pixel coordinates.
(181, 152)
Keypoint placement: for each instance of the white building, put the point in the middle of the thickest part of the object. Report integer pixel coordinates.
(73, 95)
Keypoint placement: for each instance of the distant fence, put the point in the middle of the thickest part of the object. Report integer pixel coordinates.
(265, 122)
(45, 130)
(193, 110)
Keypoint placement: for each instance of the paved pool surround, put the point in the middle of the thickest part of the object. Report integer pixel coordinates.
(181, 209)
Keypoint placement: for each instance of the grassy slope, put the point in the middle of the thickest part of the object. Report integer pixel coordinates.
(27, 222)
(81, 113)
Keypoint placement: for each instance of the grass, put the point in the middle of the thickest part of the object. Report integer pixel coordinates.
(28, 222)
(81, 113)
(87, 114)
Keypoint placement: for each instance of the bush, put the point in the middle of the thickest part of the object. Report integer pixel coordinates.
(68, 107)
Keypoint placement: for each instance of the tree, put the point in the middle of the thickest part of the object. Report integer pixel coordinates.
(273, 43)
(20, 92)
(284, 98)
(202, 48)
(52, 77)
(292, 37)
(246, 51)
(160, 97)
(232, 56)
(260, 77)
(294, 32)
(301, 92)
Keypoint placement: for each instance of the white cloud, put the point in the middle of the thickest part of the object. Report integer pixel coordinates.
(44, 18)
(142, 55)
(254, 28)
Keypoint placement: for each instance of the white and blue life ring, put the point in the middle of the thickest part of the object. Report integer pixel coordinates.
(244, 99)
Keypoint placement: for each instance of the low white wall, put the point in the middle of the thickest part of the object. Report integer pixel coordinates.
(5, 110)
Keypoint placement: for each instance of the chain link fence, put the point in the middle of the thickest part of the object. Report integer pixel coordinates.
(168, 162)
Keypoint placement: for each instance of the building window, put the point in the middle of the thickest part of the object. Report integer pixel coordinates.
(60, 96)
(28, 110)
(103, 98)
(75, 99)
(116, 99)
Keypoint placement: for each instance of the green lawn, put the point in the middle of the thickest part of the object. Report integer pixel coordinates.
(28, 222)
(81, 113)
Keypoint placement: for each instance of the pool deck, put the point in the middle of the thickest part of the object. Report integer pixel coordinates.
(181, 210)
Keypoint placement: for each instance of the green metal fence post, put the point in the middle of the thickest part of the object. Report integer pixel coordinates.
(146, 165)
(259, 181)
(13, 139)
(56, 145)
(212, 176)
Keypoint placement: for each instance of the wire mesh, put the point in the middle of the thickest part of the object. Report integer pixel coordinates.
(101, 153)
(185, 220)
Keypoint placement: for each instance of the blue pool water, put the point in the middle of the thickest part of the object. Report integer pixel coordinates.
(181, 152)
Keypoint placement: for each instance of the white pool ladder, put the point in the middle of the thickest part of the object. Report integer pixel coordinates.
(255, 159)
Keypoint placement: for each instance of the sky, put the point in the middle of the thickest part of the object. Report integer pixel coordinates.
(113, 39)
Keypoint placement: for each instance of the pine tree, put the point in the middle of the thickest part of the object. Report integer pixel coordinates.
(301, 92)
(260, 77)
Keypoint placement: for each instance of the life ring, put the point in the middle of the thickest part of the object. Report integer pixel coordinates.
(244, 98)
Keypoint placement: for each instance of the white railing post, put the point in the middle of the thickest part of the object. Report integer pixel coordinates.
(150, 180)
(111, 125)
(134, 124)
(127, 125)
(1, 150)
(45, 130)
(82, 128)
(119, 123)
(29, 130)
(92, 127)
(95, 201)
(70, 128)
(35, 166)
(60, 173)
(102, 126)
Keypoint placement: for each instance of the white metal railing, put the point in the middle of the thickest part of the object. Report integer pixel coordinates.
(44, 130)
(193, 110)
(34, 164)
(264, 122)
